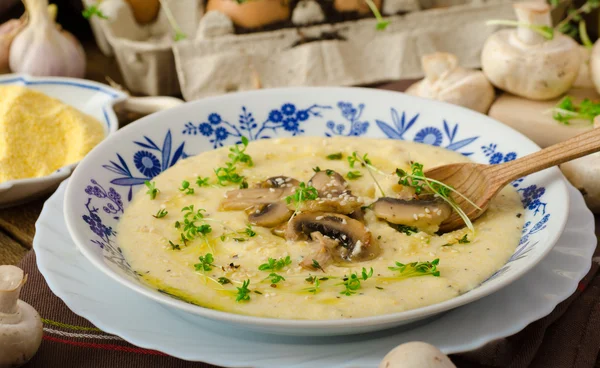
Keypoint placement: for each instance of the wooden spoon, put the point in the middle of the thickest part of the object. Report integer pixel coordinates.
(480, 183)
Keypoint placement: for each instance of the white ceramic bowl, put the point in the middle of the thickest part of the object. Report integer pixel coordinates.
(103, 184)
(92, 98)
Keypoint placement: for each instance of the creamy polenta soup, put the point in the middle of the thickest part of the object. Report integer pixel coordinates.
(313, 228)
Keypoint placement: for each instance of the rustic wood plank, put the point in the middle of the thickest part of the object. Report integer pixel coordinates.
(11, 252)
(19, 222)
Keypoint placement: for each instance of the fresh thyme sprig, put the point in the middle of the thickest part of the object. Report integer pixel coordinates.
(203, 182)
(206, 263)
(275, 278)
(301, 194)
(417, 269)
(419, 182)
(352, 282)
(243, 292)
(93, 10)
(185, 188)
(366, 162)
(275, 264)
(152, 190)
(566, 111)
(161, 213)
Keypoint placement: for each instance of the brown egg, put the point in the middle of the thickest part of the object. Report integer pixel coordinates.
(252, 13)
(359, 6)
(144, 11)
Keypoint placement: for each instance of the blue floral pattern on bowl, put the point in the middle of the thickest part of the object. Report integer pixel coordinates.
(150, 159)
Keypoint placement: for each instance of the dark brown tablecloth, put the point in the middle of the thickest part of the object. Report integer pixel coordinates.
(568, 338)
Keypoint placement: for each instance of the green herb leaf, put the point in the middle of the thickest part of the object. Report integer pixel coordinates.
(275, 264)
(161, 213)
(174, 246)
(301, 194)
(335, 156)
(202, 182)
(223, 280)
(415, 269)
(91, 11)
(316, 287)
(243, 293)
(464, 240)
(353, 175)
(206, 263)
(152, 191)
(408, 230)
(238, 154)
(275, 278)
(185, 187)
(316, 169)
(316, 265)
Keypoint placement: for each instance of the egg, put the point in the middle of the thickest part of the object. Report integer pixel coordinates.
(359, 6)
(144, 11)
(254, 13)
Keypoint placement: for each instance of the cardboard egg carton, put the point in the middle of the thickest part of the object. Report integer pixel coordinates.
(214, 61)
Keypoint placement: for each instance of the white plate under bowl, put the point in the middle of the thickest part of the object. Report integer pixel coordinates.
(103, 184)
(115, 309)
(92, 98)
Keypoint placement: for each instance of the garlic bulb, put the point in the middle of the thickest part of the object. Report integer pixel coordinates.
(446, 81)
(8, 31)
(20, 325)
(416, 354)
(526, 64)
(41, 49)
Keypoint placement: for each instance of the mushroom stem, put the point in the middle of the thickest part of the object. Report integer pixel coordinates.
(532, 13)
(12, 280)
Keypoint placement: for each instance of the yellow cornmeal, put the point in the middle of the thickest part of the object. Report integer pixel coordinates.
(40, 134)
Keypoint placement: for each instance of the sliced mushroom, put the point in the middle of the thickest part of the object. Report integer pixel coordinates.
(353, 237)
(417, 212)
(242, 199)
(324, 247)
(334, 196)
(279, 182)
(269, 215)
(269, 191)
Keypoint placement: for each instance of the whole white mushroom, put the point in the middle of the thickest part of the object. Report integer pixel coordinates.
(446, 81)
(584, 174)
(584, 76)
(595, 65)
(307, 12)
(20, 325)
(214, 24)
(523, 62)
(416, 354)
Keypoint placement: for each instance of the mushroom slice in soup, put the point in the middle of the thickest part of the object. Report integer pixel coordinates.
(421, 213)
(324, 247)
(353, 237)
(269, 191)
(334, 196)
(269, 215)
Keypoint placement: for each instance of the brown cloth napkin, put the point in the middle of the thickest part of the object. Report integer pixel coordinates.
(567, 338)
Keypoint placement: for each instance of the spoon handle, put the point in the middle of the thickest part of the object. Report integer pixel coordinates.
(578, 146)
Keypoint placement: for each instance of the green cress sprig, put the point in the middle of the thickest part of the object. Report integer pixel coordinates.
(152, 190)
(93, 10)
(243, 292)
(420, 182)
(241, 235)
(301, 194)
(566, 111)
(352, 282)
(275, 278)
(228, 173)
(275, 264)
(415, 269)
(186, 188)
(366, 162)
(161, 213)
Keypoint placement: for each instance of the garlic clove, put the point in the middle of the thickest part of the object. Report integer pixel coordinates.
(416, 354)
(40, 49)
(8, 31)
